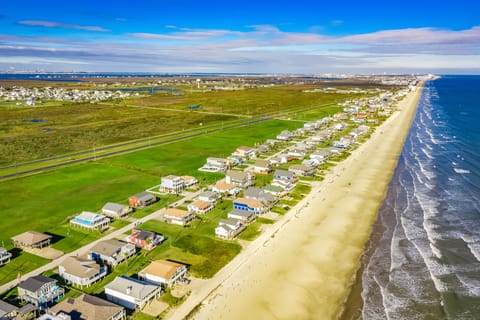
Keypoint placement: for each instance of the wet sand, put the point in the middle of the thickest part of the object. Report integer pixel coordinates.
(304, 266)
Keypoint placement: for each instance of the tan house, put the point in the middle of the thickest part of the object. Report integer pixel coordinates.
(163, 272)
(240, 179)
(245, 152)
(178, 216)
(262, 167)
(225, 188)
(31, 239)
(200, 206)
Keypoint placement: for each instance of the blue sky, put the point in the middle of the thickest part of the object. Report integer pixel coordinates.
(300, 36)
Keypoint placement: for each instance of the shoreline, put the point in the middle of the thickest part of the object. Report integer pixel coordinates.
(306, 263)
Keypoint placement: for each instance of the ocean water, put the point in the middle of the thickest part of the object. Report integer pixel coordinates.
(425, 248)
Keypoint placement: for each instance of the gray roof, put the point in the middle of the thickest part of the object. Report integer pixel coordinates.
(6, 308)
(258, 194)
(237, 175)
(208, 194)
(241, 213)
(138, 289)
(108, 247)
(32, 284)
(144, 196)
(284, 173)
(114, 207)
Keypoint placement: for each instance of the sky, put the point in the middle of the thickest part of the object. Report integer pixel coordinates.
(249, 36)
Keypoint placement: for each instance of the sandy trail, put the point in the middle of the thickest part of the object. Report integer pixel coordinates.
(303, 266)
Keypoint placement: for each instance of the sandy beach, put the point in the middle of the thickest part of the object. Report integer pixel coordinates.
(303, 266)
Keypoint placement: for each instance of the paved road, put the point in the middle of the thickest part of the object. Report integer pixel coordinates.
(84, 250)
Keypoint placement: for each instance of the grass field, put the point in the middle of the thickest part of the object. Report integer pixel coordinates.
(81, 126)
(44, 202)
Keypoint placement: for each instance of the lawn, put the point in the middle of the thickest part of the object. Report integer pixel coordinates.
(21, 263)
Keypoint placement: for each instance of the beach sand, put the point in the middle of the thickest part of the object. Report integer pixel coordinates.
(303, 266)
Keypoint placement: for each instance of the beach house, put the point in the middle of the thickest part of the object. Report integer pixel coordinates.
(262, 167)
(200, 206)
(301, 170)
(31, 239)
(285, 136)
(255, 206)
(112, 252)
(178, 216)
(261, 195)
(85, 307)
(145, 239)
(90, 220)
(284, 177)
(240, 179)
(208, 196)
(245, 217)
(40, 291)
(142, 199)
(229, 228)
(115, 210)
(215, 165)
(163, 272)
(131, 293)
(172, 184)
(80, 271)
(245, 152)
(223, 188)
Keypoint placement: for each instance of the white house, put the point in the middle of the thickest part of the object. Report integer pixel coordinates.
(112, 252)
(200, 206)
(229, 228)
(115, 210)
(131, 293)
(240, 179)
(90, 220)
(172, 184)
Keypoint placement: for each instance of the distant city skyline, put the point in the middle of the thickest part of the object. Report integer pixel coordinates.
(308, 37)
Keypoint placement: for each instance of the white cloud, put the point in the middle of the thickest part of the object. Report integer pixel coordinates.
(53, 24)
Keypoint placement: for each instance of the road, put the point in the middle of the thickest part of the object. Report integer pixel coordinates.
(175, 136)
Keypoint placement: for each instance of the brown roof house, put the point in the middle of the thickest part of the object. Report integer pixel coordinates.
(87, 307)
(81, 272)
(142, 199)
(178, 216)
(31, 239)
(163, 272)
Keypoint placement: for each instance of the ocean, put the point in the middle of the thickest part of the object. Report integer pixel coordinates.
(423, 258)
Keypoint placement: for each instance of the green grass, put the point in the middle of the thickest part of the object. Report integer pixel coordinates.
(20, 265)
(280, 209)
(80, 126)
(251, 232)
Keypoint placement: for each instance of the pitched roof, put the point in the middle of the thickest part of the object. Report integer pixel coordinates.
(114, 207)
(163, 268)
(143, 234)
(6, 308)
(31, 237)
(87, 307)
(241, 213)
(200, 204)
(32, 284)
(237, 175)
(262, 163)
(244, 148)
(284, 173)
(224, 186)
(108, 247)
(80, 267)
(250, 202)
(136, 288)
(300, 167)
(178, 213)
(145, 196)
